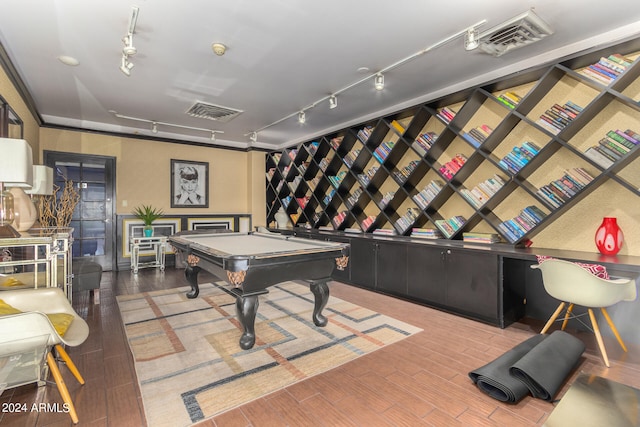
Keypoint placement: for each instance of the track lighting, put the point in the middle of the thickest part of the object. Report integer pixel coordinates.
(253, 136)
(302, 117)
(333, 102)
(155, 124)
(471, 38)
(379, 81)
(469, 33)
(126, 66)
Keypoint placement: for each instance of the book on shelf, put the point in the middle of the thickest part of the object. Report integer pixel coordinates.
(594, 154)
(446, 114)
(477, 237)
(606, 70)
(384, 232)
(397, 126)
(426, 233)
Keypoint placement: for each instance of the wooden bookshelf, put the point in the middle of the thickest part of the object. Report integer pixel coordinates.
(370, 176)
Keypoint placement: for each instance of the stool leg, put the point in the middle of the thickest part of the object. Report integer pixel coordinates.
(72, 366)
(613, 328)
(62, 387)
(553, 318)
(596, 331)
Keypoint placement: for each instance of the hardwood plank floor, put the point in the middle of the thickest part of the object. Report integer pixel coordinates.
(421, 380)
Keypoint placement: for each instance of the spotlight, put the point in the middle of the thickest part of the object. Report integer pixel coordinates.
(379, 81)
(333, 102)
(154, 127)
(126, 66)
(253, 137)
(129, 49)
(471, 39)
(302, 117)
(213, 136)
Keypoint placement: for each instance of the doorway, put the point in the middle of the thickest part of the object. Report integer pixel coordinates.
(93, 218)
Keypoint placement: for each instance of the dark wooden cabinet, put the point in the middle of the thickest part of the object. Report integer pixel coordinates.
(427, 277)
(473, 283)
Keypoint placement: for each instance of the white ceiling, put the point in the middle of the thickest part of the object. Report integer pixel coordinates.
(282, 57)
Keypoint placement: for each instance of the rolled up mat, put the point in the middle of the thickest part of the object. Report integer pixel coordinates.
(544, 368)
(494, 377)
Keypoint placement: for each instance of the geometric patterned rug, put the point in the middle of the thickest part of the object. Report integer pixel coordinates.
(190, 366)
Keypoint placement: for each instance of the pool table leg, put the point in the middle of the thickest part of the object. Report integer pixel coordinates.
(320, 291)
(191, 274)
(246, 309)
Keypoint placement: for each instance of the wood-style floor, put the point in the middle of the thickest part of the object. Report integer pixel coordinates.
(421, 380)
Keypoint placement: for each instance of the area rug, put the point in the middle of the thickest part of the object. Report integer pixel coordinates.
(190, 366)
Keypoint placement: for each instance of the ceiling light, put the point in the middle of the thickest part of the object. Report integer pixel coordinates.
(154, 127)
(333, 102)
(471, 39)
(129, 49)
(213, 136)
(126, 66)
(253, 136)
(218, 48)
(379, 81)
(68, 60)
(302, 117)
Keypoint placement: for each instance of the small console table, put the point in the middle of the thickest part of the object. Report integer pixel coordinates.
(156, 244)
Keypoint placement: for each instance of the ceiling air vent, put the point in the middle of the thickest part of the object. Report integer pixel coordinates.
(212, 112)
(520, 31)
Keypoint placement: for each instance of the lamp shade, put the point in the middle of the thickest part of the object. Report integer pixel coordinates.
(16, 163)
(42, 181)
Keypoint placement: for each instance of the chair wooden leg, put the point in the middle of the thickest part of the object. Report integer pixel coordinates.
(613, 328)
(566, 316)
(596, 331)
(72, 366)
(553, 318)
(62, 387)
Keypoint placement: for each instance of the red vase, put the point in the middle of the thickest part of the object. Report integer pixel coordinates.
(609, 237)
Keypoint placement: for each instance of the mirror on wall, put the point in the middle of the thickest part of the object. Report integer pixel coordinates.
(11, 125)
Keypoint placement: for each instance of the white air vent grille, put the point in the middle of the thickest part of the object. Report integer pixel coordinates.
(520, 31)
(218, 113)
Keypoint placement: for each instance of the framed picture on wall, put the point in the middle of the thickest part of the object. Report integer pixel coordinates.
(189, 184)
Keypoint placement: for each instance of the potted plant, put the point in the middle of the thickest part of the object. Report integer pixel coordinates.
(147, 214)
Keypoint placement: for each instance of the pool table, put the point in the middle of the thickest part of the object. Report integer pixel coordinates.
(251, 262)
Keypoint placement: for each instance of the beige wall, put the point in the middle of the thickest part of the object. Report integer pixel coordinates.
(143, 171)
(13, 98)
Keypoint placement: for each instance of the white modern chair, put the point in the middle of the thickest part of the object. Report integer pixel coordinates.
(30, 334)
(574, 285)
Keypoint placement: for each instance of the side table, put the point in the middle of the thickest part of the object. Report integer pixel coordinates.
(155, 244)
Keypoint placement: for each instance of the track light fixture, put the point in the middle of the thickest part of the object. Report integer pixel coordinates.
(379, 76)
(253, 136)
(126, 66)
(129, 49)
(302, 117)
(379, 81)
(155, 124)
(333, 102)
(471, 38)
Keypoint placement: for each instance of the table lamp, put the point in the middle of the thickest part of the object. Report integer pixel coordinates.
(42, 187)
(16, 170)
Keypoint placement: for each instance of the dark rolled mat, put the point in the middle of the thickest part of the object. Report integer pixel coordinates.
(544, 368)
(494, 377)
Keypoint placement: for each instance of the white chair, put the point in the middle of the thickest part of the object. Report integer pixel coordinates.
(573, 284)
(31, 334)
